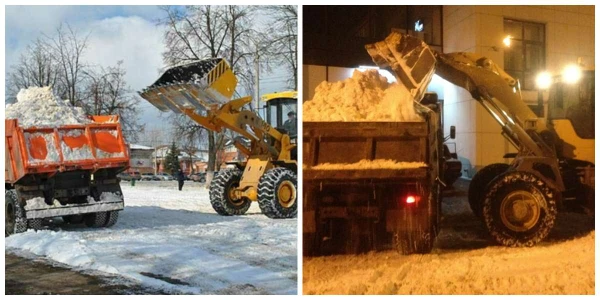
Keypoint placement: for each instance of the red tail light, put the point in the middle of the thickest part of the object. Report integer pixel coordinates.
(412, 199)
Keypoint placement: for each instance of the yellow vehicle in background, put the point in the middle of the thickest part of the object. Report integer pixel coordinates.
(202, 90)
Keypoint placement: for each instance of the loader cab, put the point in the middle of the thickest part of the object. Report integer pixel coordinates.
(278, 106)
(574, 102)
(571, 109)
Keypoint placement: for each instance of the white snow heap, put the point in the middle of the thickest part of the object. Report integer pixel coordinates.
(39, 107)
(376, 164)
(366, 96)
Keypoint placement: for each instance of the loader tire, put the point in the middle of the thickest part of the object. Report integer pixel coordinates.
(221, 196)
(96, 220)
(478, 185)
(113, 216)
(519, 209)
(277, 193)
(14, 215)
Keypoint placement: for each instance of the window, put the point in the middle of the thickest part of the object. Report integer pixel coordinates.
(527, 53)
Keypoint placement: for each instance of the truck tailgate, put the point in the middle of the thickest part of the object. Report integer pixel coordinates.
(351, 142)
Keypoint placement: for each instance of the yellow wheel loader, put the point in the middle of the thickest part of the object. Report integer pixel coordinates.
(554, 166)
(202, 90)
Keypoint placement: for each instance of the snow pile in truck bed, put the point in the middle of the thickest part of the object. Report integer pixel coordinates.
(371, 164)
(39, 107)
(366, 96)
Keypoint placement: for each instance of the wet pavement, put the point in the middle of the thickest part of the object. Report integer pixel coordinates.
(35, 276)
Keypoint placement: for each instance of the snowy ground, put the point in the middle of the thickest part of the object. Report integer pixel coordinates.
(464, 261)
(174, 241)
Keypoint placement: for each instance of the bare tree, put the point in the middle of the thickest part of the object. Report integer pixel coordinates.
(68, 48)
(281, 39)
(201, 32)
(36, 67)
(107, 93)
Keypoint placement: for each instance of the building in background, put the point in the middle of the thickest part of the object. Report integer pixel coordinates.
(542, 38)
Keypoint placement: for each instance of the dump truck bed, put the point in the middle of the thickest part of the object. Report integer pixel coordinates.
(350, 142)
(48, 150)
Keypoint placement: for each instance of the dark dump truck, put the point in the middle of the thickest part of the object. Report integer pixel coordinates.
(355, 210)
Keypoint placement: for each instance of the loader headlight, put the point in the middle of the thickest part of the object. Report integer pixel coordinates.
(571, 74)
(543, 80)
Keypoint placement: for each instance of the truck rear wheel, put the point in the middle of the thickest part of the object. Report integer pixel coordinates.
(419, 229)
(519, 209)
(113, 216)
(221, 193)
(277, 194)
(35, 224)
(14, 215)
(478, 185)
(96, 219)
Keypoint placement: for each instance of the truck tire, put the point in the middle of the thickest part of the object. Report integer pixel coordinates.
(519, 209)
(35, 224)
(113, 216)
(478, 185)
(277, 193)
(14, 215)
(221, 197)
(96, 220)
(73, 219)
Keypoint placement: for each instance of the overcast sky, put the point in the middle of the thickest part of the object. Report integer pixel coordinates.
(127, 33)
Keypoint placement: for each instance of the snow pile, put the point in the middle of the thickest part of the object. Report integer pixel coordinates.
(174, 241)
(371, 164)
(39, 107)
(366, 96)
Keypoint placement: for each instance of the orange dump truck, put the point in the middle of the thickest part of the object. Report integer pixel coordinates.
(67, 171)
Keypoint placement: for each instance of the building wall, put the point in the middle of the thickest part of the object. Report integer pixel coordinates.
(480, 29)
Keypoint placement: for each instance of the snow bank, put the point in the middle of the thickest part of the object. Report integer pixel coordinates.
(371, 164)
(366, 96)
(174, 241)
(38, 106)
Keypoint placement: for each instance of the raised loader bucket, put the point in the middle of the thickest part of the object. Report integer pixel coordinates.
(408, 58)
(196, 85)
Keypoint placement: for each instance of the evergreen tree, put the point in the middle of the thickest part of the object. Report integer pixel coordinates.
(172, 160)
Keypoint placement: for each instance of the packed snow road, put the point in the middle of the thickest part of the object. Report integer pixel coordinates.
(173, 241)
(465, 261)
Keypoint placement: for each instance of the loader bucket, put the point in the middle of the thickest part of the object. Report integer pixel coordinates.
(196, 85)
(408, 58)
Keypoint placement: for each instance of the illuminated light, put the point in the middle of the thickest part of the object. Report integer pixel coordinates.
(385, 73)
(571, 74)
(506, 41)
(418, 26)
(543, 80)
(411, 199)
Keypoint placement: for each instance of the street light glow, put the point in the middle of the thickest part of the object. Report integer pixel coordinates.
(571, 74)
(506, 40)
(543, 80)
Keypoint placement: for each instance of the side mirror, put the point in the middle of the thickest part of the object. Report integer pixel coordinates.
(452, 132)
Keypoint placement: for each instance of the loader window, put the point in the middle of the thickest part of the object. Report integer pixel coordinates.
(277, 113)
(575, 102)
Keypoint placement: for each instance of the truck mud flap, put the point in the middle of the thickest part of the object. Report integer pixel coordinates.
(399, 220)
(37, 208)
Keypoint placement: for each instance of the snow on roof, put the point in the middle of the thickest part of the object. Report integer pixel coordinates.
(140, 147)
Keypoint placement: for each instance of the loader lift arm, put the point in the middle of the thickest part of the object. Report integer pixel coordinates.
(414, 62)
